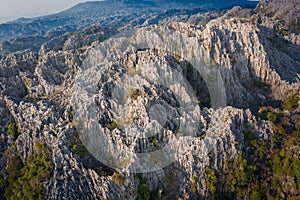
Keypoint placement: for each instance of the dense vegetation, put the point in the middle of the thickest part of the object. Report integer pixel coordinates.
(263, 169)
(143, 192)
(26, 180)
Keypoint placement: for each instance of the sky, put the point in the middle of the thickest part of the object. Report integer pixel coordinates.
(13, 9)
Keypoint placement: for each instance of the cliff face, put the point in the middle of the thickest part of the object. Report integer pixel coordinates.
(194, 87)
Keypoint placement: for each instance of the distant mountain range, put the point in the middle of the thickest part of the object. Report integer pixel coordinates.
(111, 13)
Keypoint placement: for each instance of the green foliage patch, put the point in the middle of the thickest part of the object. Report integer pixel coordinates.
(260, 84)
(13, 130)
(194, 184)
(270, 114)
(143, 192)
(26, 181)
(211, 181)
(118, 178)
(290, 103)
(241, 175)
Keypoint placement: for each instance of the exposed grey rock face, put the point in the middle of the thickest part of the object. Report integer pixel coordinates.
(221, 127)
(246, 53)
(38, 92)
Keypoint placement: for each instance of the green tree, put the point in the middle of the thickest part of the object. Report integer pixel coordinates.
(241, 174)
(291, 101)
(143, 190)
(27, 181)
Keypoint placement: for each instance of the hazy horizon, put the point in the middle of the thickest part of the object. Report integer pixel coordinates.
(14, 9)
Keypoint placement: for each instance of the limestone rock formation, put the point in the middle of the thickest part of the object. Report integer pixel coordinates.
(144, 99)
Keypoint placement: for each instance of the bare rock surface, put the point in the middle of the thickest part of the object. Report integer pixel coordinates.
(143, 99)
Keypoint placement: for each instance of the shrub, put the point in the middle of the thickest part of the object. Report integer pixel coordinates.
(254, 19)
(71, 116)
(153, 140)
(260, 147)
(14, 166)
(194, 184)
(255, 195)
(249, 135)
(211, 180)
(113, 126)
(268, 113)
(234, 60)
(291, 102)
(143, 192)
(297, 126)
(272, 116)
(13, 130)
(134, 94)
(283, 32)
(120, 123)
(261, 85)
(2, 181)
(155, 194)
(118, 178)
